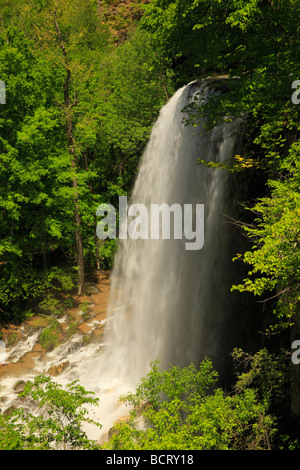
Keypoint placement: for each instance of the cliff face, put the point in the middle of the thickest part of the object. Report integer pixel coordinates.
(121, 16)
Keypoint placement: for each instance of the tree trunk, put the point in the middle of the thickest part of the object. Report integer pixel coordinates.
(71, 148)
(97, 251)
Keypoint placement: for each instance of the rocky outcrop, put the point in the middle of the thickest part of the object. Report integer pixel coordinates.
(120, 16)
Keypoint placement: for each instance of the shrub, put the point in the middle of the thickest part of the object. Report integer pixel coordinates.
(57, 426)
(181, 409)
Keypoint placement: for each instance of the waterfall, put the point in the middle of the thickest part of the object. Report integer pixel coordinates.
(169, 303)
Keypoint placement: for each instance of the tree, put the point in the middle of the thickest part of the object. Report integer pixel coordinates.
(61, 155)
(230, 38)
(72, 152)
(43, 160)
(131, 106)
(275, 257)
(32, 171)
(181, 409)
(57, 425)
(203, 38)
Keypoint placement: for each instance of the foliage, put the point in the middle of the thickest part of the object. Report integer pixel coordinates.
(208, 39)
(110, 118)
(58, 425)
(51, 305)
(180, 409)
(124, 60)
(268, 374)
(184, 384)
(49, 337)
(275, 257)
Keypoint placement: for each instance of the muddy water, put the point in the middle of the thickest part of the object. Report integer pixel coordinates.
(26, 351)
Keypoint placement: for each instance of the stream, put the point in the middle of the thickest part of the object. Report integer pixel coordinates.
(26, 358)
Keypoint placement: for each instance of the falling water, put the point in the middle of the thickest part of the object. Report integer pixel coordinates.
(167, 302)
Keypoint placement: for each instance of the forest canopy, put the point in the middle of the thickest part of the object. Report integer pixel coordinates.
(84, 83)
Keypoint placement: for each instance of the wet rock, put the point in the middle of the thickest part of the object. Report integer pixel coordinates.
(9, 410)
(90, 288)
(19, 386)
(56, 370)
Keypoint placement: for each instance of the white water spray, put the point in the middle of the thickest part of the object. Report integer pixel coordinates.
(163, 296)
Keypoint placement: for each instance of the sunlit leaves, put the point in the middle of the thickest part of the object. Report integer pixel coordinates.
(57, 426)
(181, 409)
(275, 256)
